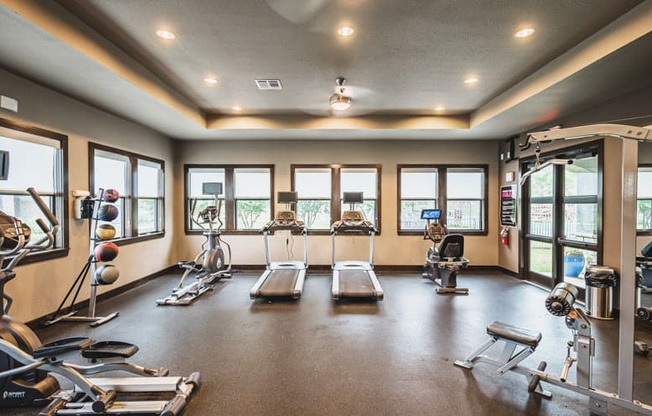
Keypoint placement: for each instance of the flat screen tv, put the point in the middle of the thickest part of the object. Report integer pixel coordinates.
(353, 198)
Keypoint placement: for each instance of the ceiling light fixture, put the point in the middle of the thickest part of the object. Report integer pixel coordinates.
(210, 80)
(471, 80)
(165, 34)
(345, 31)
(440, 108)
(236, 108)
(524, 33)
(339, 101)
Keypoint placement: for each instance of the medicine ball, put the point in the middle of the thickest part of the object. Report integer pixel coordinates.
(110, 195)
(107, 212)
(106, 251)
(105, 231)
(106, 274)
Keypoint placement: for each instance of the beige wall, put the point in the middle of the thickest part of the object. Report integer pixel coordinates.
(39, 287)
(634, 108)
(391, 249)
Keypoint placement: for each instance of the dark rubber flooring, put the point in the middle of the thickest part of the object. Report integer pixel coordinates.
(315, 357)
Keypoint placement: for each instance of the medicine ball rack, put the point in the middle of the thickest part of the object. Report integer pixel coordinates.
(92, 209)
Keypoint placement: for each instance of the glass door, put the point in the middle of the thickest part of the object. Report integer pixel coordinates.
(562, 220)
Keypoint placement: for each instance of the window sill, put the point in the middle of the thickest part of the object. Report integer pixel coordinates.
(643, 232)
(463, 232)
(253, 232)
(131, 240)
(40, 256)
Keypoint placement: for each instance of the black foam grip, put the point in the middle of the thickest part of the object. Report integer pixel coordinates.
(42, 225)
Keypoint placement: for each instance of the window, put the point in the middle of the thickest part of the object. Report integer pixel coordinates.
(419, 189)
(644, 200)
(459, 191)
(140, 183)
(38, 159)
(321, 190)
(313, 186)
(246, 201)
(465, 199)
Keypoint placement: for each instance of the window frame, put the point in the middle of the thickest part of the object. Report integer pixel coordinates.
(336, 198)
(442, 197)
(229, 201)
(61, 195)
(131, 198)
(642, 231)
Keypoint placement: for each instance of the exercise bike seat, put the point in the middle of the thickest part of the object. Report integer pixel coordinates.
(109, 349)
(514, 334)
(58, 347)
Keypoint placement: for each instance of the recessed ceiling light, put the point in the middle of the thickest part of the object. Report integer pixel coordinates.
(236, 108)
(165, 34)
(345, 31)
(440, 108)
(210, 80)
(472, 80)
(524, 33)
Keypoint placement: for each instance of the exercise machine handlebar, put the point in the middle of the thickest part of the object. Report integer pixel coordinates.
(43, 207)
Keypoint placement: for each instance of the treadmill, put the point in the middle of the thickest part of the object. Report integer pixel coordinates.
(355, 279)
(283, 279)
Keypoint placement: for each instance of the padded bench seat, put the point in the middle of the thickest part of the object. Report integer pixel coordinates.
(514, 334)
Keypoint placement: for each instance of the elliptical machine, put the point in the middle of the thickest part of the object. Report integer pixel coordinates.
(443, 262)
(209, 265)
(26, 364)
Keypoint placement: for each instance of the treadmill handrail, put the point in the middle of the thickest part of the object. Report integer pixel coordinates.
(346, 226)
(275, 225)
(368, 227)
(270, 228)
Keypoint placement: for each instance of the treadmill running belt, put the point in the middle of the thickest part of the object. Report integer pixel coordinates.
(279, 283)
(356, 284)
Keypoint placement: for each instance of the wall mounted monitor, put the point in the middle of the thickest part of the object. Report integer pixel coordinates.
(4, 165)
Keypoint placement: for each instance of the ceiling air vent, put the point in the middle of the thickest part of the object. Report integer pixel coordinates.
(269, 84)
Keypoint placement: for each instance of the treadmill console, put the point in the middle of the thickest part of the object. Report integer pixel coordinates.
(285, 217)
(352, 221)
(352, 217)
(284, 220)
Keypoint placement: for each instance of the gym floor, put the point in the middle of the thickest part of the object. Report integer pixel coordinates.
(317, 357)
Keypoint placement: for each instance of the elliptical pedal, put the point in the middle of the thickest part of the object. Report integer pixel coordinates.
(109, 349)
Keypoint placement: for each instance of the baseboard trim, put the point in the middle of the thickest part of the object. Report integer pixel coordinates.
(37, 323)
(382, 268)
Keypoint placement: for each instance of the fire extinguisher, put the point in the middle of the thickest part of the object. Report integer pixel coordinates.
(504, 236)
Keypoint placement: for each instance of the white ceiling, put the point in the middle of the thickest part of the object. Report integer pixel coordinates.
(405, 58)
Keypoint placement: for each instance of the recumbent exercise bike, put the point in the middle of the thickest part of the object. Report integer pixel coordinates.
(26, 364)
(443, 262)
(209, 265)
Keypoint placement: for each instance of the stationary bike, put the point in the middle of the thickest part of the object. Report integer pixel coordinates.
(26, 364)
(209, 265)
(443, 262)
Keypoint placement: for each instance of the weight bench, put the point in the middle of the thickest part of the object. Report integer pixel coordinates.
(518, 344)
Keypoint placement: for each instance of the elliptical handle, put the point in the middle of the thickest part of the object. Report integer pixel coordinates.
(42, 225)
(44, 208)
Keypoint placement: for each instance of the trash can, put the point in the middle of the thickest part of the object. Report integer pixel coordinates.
(600, 282)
